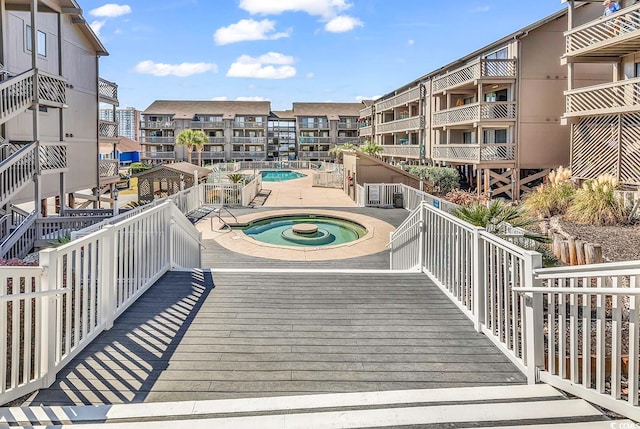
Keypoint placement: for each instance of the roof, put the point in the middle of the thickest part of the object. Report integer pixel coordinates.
(368, 103)
(177, 167)
(282, 114)
(333, 111)
(124, 145)
(187, 109)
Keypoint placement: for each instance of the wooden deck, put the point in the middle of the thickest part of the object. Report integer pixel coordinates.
(200, 336)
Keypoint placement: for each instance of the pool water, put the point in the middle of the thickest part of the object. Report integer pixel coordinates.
(331, 231)
(280, 175)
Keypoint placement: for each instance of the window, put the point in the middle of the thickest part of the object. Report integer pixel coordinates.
(42, 41)
(501, 54)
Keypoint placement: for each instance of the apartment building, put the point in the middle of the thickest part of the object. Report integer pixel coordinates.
(321, 126)
(282, 137)
(127, 119)
(48, 107)
(236, 130)
(604, 118)
(494, 114)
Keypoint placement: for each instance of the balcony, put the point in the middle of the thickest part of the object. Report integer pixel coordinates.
(249, 154)
(314, 140)
(343, 140)
(406, 124)
(108, 170)
(158, 155)
(366, 131)
(613, 37)
(157, 140)
(315, 154)
(107, 130)
(107, 92)
(347, 125)
(206, 125)
(158, 125)
(208, 155)
(250, 125)
(249, 140)
(474, 153)
(609, 98)
(401, 99)
(314, 126)
(367, 112)
(406, 151)
(481, 69)
(476, 112)
(216, 140)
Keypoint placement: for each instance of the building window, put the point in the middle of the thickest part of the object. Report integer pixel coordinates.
(500, 54)
(42, 41)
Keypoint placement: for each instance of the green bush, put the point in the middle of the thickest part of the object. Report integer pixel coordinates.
(441, 180)
(138, 167)
(596, 204)
(550, 199)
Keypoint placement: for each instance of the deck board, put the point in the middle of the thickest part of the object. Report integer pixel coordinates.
(197, 335)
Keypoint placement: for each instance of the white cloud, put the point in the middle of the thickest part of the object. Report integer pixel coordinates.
(179, 70)
(262, 67)
(254, 98)
(480, 9)
(324, 8)
(247, 29)
(343, 23)
(111, 10)
(221, 98)
(310, 75)
(96, 26)
(361, 98)
(411, 42)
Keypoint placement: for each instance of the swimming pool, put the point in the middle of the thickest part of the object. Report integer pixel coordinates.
(280, 175)
(305, 230)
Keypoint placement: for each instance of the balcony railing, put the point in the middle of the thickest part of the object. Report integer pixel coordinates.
(480, 69)
(218, 140)
(158, 140)
(314, 126)
(612, 36)
(314, 140)
(158, 155)
(405, 124)
(367, 112)
(52, 90)
(476, 112)
(249, 125)
(108, 168)
(347, 125)
(207, 125)
(108, 130)
(249, 140)
(315, 154)
(343, 140)
(249, 154)
(616, 97)
(212, 154)
(491, 152)
(406, 97)
(158, 125)
(108, 92)
(366, 131)
(409, 151)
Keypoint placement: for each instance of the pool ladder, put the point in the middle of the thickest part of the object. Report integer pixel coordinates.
(218, 212)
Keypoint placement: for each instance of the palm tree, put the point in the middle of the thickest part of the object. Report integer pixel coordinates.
(191, 139)
(371, 148)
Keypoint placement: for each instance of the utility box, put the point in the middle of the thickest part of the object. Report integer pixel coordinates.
(398, 201)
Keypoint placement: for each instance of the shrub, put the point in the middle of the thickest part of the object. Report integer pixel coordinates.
(441, 180)
(138, 167)
(595, 203)
(553, 198)
(463, 198)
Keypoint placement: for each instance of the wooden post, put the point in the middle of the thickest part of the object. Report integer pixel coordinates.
(573, 254)
(564, 251)
(593, 253)
(557, 245)
(580, 252)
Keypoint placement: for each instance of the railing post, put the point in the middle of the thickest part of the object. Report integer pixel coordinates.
(108, 281)
(421, 238)
(479, 289)
(170, 229)
(391, 250)
(533, 319)
(48, 318)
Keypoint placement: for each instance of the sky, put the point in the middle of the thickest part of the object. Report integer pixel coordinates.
(290, 51)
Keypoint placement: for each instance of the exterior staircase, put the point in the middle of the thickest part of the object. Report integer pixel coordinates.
(496, 406)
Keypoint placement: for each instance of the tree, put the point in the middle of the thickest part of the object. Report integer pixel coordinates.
(371, 148)
(191, 139)
(337, 150)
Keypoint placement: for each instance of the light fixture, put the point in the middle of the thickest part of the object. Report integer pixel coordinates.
(495, 86)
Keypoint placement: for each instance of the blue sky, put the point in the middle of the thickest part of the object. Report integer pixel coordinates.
(291, 50)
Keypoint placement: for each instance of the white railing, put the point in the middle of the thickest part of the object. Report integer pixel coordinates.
(17, 171)
(158, 155)
(616, 97)
(107, 130)
(384, 195)
(203, 125)
(248, 154)
(405, 124)
(246, 125)
(405, 97)
(16, 95)
(78, 291)
(107, 92)
(249, 140)
(486, 111)
(157, 140)
(314, 126)
(404, 253)
(222, 194)
(52, 90)
(158, 125)
(475, 153)
(411, 151)
(108, 168)
(367, 112)
(315, 154)
(20, 242)
(251, 189)
(611, 30)
(328, 179)
(314, 140)
(479, 69)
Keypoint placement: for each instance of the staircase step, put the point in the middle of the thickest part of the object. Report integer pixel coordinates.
(537, 404)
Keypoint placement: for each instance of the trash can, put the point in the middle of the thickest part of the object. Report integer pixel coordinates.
(398, 201)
